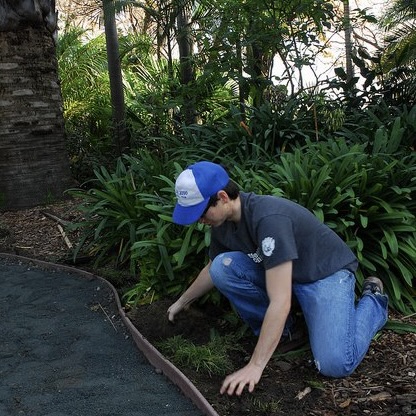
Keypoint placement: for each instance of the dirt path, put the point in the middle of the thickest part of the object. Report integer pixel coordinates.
(64, 351)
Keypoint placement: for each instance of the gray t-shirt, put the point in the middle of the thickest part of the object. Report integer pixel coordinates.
(274, 230)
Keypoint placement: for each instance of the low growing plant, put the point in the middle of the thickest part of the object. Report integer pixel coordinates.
(210, 358)
(114, 211)
(127, 221)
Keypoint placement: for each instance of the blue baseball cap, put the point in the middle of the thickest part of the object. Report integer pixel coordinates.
(194, 187)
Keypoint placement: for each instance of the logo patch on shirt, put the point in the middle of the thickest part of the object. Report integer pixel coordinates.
(267, 246)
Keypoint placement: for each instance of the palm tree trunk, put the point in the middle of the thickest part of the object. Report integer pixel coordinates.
(116, 79)
(34, 165)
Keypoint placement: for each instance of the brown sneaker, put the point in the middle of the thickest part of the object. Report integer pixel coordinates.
(372, 285)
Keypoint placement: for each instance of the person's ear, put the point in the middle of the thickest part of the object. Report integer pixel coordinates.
(223, 196)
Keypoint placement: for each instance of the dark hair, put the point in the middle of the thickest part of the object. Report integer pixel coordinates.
(231, 189)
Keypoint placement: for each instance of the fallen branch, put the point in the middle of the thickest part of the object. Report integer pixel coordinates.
(55, 218)
(106, 314)
(66, 239)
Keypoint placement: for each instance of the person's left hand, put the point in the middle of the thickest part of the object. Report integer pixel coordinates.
(246, 376)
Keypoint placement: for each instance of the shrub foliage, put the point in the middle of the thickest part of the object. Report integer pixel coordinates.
(359, 180)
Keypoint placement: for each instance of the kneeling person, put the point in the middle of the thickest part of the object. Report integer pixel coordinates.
(264, 249)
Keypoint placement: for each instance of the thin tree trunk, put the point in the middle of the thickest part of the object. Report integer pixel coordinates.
(348, 41)
(185, 57)
(116, 79)
(242, 83)
(258, 64)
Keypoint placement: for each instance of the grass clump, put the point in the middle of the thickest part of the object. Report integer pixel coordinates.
(211, 358)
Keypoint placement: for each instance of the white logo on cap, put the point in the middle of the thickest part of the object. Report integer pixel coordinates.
(186, 189)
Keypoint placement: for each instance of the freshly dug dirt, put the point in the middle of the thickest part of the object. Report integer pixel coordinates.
(384, 384)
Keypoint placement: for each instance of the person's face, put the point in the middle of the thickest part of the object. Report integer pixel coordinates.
(216, 212)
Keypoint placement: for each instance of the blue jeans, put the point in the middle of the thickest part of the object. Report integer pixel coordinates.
(340, 330)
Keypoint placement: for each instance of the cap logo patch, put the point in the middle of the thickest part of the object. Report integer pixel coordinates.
(187, 191)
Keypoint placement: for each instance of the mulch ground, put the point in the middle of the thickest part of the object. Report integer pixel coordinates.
(384, 384)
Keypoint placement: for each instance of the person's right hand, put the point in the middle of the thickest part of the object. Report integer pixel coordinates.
(174, 309)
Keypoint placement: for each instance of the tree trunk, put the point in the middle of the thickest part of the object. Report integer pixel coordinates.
(258, 62)
(348, 41)
(185, 58)
(34, 165)
(116, 79)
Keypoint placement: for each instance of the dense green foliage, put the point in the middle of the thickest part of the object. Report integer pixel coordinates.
(361, 182)
(342, 149)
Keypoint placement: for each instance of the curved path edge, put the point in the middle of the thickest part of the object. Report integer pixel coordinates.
(155, 358)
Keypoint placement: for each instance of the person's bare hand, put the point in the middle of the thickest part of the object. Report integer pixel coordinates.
(236, 382)
(174, 309)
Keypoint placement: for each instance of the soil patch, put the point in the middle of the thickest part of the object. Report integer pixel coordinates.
(384, 384)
